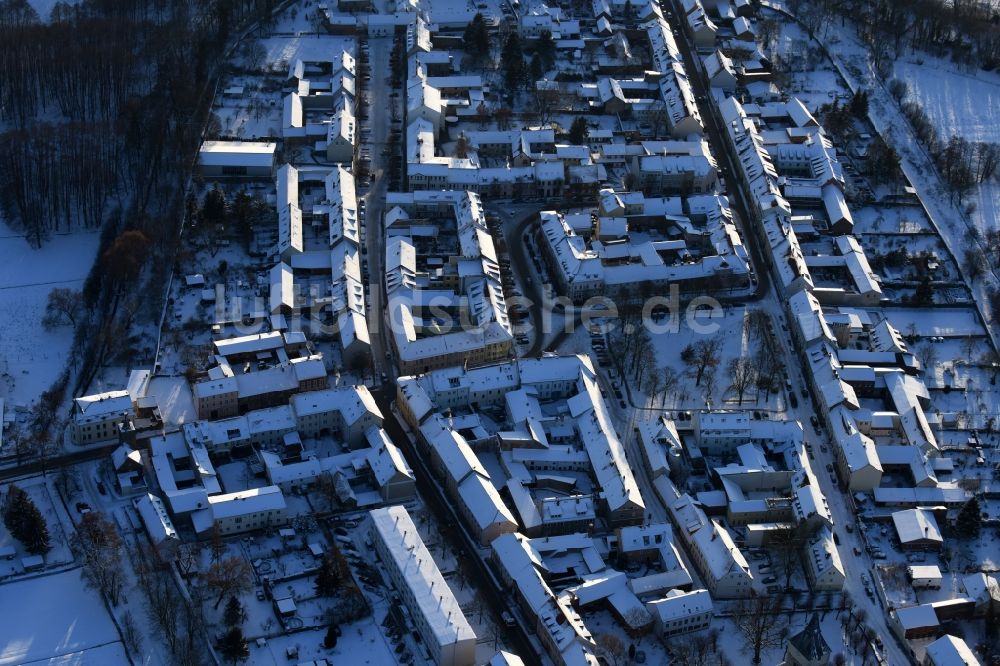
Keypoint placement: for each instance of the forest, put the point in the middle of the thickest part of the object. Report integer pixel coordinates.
(102, 105)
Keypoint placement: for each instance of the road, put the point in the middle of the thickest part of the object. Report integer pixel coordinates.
(840, 506)
(380, 50)
(55, 462)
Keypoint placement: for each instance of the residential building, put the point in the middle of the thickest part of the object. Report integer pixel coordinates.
(435, 612)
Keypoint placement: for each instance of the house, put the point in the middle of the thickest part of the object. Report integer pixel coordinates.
(159, 526)
(720, 71)
(341, 133)
(917, 529)
(237, 159)
(924, 576)
(97, 418)
(435, 612)
(915, 621)
(681, 612)
(241, 511)
(949, 651)
(558, 624)
(823, 565)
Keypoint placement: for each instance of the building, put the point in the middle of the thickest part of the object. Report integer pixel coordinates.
(237, 159)
(927, 576)
(445, 299)
(159, 526)
(949, 651)
(917, 529)
(681, 612)
(97, 418)
(719, 432)
(915, 621)
(808, 647)
(561, 630)
(242, 511)
(723, 567)
(823, 565)
(425, 593)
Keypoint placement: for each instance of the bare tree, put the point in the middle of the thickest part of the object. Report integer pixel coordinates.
(188, 557)
(229, 576)
(668, 382)
(610, 647)
(742, 376)
(927, 355)
(759, 621)
(99, 548)
(63, 307)
(131, 635)
(702, 355)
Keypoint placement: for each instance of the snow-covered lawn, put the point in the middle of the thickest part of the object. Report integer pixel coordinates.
(360, 643)
(966, 104)
(947, 322)
(30, 357)
(55, 616)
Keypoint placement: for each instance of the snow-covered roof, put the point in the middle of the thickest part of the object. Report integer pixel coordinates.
(237, 153)
(678, 605)
(429, 593)
(916, 525)
(103, 404)
(245, 502)
(951, 651)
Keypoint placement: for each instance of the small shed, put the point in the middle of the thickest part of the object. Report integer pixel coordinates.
(284, 607)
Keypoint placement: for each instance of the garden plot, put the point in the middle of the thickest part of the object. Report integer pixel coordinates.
(940, 321)
(75, 622)
(360, 642)
(46, 499)
(895, 219)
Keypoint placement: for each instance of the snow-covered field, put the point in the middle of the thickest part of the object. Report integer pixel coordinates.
(30, 357)
(959, 102)
(963, 103)
(56, 619)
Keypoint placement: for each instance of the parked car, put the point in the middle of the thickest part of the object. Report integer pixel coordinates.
(769, 580)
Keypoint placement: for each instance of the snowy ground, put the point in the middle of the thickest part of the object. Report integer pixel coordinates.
(30, 357)
(76, 628)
